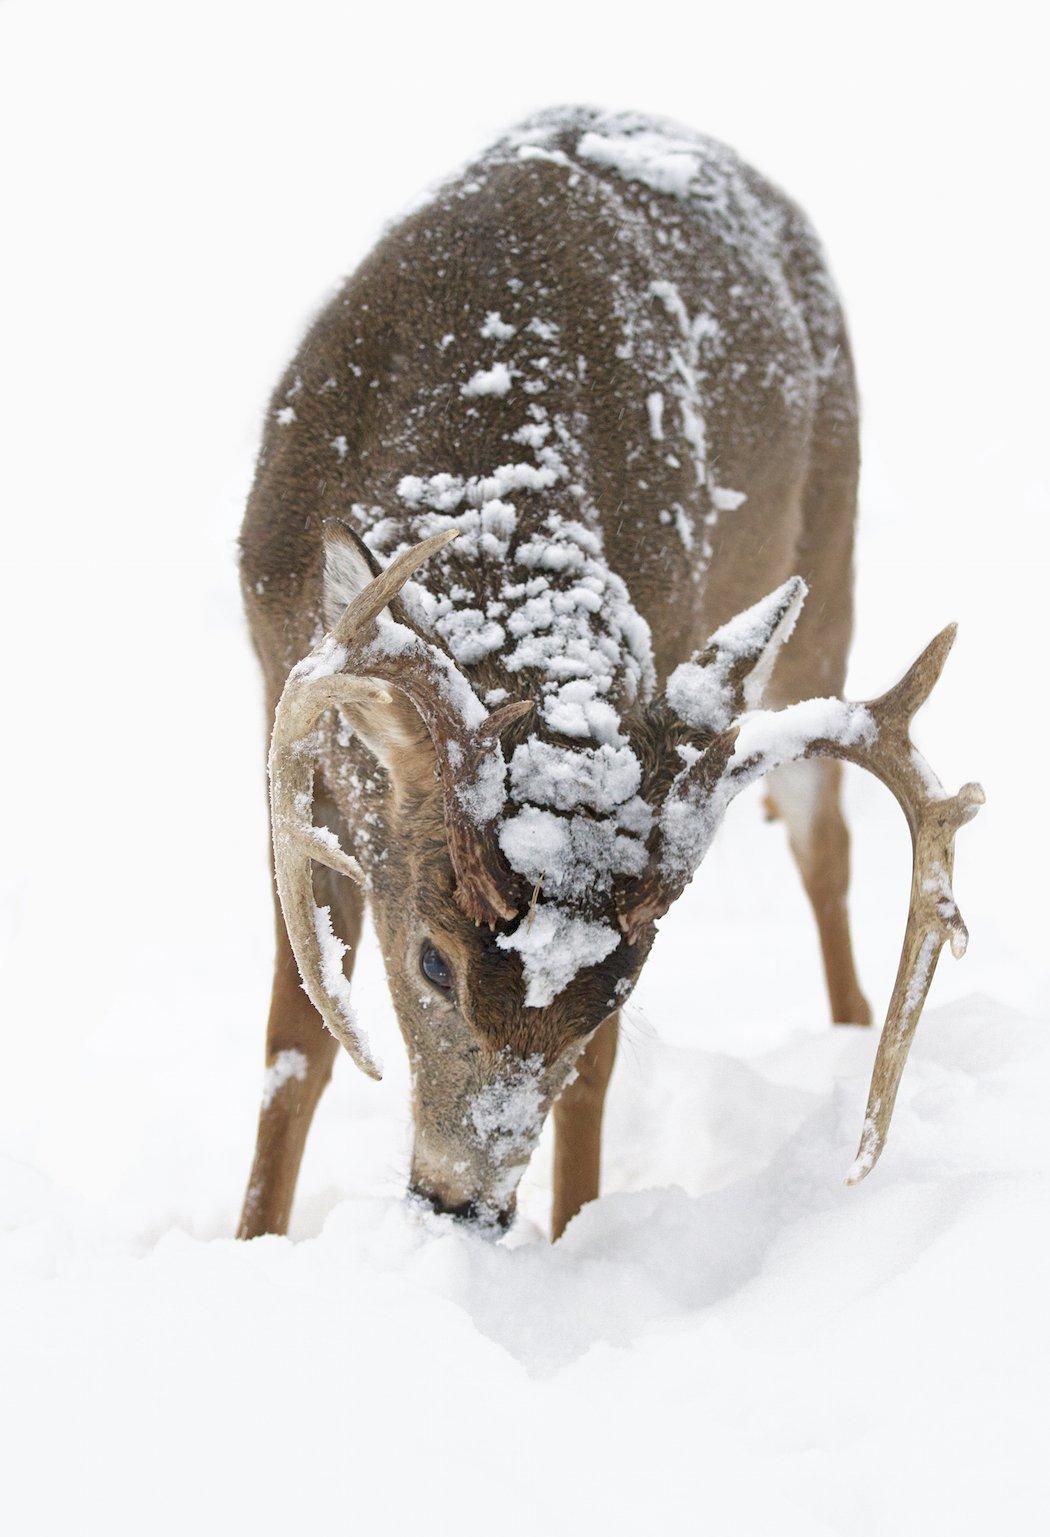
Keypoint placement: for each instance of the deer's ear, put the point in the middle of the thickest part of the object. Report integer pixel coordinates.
(394, 733)
(731, 673)
(349, 566)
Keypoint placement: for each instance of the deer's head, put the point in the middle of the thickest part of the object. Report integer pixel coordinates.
(520, 881)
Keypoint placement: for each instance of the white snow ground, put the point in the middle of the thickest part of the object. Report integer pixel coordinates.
(731, 1341)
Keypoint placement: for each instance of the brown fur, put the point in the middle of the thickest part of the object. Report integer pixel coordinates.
(398, 409)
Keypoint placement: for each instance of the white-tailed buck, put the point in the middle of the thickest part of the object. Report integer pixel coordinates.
(521, 499)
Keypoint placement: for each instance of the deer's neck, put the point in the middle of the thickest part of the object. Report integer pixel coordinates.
(526, 599)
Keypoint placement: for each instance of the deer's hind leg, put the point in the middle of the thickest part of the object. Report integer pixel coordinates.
(299, 1057)
(578, 1127)
(808, 795)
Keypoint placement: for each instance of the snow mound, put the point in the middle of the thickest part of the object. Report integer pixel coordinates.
(762, 1311)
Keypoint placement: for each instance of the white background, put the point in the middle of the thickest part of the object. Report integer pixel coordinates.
(180, 187)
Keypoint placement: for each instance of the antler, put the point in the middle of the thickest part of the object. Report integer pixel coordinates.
(933, 819)
(296, 841)
(875, 736)
(366, 649)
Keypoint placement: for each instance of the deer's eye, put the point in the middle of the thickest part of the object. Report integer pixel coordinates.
(435, 968)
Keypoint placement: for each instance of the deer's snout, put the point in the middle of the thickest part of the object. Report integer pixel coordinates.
(475, 1212)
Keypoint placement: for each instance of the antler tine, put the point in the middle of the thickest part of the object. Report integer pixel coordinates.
(908, 696)
(296, 841)
(360, 611)
(505, 716)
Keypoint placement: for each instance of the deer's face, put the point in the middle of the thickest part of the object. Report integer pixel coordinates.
(486, 1067)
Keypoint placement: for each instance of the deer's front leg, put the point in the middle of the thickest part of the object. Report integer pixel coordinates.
(578, 1128)
(299, 1057)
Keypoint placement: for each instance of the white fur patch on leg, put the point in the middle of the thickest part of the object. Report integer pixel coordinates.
(796, 789)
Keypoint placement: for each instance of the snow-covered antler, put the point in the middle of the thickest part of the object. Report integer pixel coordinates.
(296, 842)
(365, 651)
(875, 736)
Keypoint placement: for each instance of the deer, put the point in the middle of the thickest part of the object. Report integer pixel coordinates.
(548, 556)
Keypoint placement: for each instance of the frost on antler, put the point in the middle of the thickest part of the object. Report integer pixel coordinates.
(734, 667)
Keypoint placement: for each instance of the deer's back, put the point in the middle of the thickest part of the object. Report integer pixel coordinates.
(607, 322)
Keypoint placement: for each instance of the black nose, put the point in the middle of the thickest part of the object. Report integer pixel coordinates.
(465, 1211)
